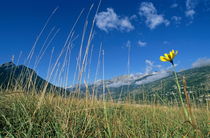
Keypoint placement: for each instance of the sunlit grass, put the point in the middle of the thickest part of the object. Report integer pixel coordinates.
(64, 117)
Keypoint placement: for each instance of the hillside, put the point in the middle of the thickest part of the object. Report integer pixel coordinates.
(122, 83)
(138, 86)
(157, 83)
(22, 78)
(198, 86)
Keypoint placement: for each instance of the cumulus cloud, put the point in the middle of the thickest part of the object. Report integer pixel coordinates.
(201, 62)
(141, 78)
(118, 84)
(190, 6)
(109, 20)
(153, 19)
(124, 80)
(154, 77)
(150, 66)
(133, 17)
(190, 13)
(142, 43)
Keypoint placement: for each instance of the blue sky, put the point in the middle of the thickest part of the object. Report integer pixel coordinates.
(149, 28)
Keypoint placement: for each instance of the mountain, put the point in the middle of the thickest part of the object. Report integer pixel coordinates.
(15, 78)
(156, 83)
(137, 86)
(122, 83)
(198, 86)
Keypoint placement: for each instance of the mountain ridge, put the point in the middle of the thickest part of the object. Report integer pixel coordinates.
(122, 86)
(20, 77)
(14, 78)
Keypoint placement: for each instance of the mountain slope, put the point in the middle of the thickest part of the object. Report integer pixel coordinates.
(198, 85)
(122, 84)
(157, 83)
(22, 78)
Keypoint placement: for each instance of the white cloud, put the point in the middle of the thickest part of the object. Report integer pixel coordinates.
(201, 62)
(124, 80)
(190, 13)
(118, 84)
(150, 66)
(109, 20)
(154, 77)
(142, 43)
(133, 17)
(153, 19)
(190, 6)
(176, 19)
(149, 70)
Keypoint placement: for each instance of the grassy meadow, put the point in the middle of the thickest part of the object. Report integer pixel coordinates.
(22, 115)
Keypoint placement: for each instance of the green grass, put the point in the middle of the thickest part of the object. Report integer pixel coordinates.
(71, 117)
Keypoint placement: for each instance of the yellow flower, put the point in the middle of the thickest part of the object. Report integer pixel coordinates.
(169, 57)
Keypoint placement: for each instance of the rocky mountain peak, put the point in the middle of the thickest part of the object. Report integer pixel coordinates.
(8, 65)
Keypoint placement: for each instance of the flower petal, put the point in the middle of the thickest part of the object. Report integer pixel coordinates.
(173, 51)
(172, 54)
(167, 57)
(163, 59)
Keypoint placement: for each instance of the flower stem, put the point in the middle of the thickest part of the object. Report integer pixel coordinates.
(180, 94)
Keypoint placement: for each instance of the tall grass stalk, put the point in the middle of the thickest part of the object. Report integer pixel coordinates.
(180, 94)
(192, 119)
